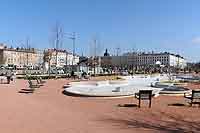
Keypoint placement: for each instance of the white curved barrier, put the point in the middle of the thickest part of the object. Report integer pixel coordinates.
(107, 91)
(129, 86)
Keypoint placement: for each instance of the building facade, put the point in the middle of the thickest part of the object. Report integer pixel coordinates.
(19, 56)
(145, 59)
(61, 58)
(72, 60)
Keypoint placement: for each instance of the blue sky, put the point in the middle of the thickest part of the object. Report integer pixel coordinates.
(143, 25)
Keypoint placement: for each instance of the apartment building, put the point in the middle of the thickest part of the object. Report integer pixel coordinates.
(144, 59)
(60, 58)
(20, 56)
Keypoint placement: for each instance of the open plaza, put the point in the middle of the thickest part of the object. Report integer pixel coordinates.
(49, 109)
(99, 66)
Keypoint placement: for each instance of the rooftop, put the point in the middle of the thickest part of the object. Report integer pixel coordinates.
(152, 54)
(61, 51)
(18, 49)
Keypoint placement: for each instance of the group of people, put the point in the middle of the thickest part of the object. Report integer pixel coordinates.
(83, 75)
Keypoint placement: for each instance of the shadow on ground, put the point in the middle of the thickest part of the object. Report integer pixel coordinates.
(72, 94)
(127, 105)
(178, 105)
(4, 83)
(169, 123)
(26, 91)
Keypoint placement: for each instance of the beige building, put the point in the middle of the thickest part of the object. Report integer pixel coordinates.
(19, 56)
(33, 57)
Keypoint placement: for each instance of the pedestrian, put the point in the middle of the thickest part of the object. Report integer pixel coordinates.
(8, 75)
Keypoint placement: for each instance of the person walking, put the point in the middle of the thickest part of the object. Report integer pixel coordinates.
(8, 75)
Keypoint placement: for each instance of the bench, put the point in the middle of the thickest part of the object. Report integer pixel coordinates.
(3, 78)
(33, 85)
(194, 97)
(41, 81)
(144, 95)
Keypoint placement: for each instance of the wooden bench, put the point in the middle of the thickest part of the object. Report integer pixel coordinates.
(194, 97)
(144, 95)
(33, 85)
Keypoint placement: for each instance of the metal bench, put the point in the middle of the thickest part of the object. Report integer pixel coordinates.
(144, 95)
(194, 97)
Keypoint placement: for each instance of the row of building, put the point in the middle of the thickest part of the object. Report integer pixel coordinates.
(21, 57)
(144, 59)
(165, 62)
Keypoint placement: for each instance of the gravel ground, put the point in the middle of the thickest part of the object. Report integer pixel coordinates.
(48, 110)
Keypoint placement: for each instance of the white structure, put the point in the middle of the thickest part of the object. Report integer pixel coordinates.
(127, 87)
(72, 60)
(177, 61)
(60, 58)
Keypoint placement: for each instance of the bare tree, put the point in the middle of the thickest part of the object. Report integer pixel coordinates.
(57, 39)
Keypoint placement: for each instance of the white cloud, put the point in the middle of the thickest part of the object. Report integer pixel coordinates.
(196, 40)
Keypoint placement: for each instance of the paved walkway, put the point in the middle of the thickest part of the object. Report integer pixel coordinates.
(48, 110)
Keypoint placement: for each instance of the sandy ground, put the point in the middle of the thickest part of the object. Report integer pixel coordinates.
(48, 110)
